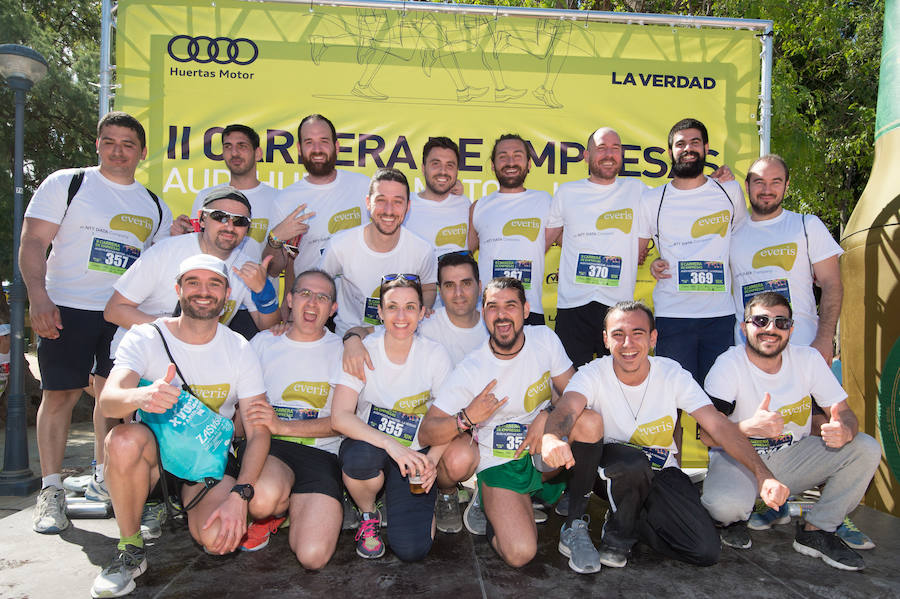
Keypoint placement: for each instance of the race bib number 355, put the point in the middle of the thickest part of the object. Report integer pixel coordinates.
(701, 275)
(398, 425)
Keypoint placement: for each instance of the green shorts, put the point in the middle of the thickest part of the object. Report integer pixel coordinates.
(522, 477)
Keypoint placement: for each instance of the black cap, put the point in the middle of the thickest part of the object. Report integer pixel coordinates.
(226, 192)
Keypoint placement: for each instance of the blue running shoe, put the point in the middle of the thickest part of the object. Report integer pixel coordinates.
(854, 536)
(767, 518)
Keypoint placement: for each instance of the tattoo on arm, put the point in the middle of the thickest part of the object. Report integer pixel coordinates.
(560, 426)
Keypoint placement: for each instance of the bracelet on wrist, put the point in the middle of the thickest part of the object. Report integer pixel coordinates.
(273, 242)
(350, 334)
(461, 425)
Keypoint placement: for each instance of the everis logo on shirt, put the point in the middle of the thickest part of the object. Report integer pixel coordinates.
(654, 434)
(711, 224)
(797, 412)
(616, 219)
(414, 404)
(258, 229)
(537, 392)
(213, 396)
(453, 235)
(346, 219)
(526, 227)
(139, 226)
(782, 256)
(315, 394)
(228, 311)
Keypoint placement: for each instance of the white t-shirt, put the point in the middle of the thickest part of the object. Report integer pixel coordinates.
(300, 377)
(361, 269)
(151, 281)
(524, 379)
(262, 213)
(733, 378)
(395, 397)
(600, 240)
(775, 255)
(338, 205)
(219, 372)
(103, 232)
(694, 233)
(442, 224)
(457, 341)
(644, 415)
(510, 229)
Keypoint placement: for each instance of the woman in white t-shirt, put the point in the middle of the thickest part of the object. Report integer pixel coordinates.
(380, 417)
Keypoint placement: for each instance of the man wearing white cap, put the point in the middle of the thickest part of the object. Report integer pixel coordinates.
(221, 370)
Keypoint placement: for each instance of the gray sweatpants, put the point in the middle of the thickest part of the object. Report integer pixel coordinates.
(730, 490)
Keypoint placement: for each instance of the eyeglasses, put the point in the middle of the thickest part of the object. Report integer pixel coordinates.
(322, 298)
(221, 216)
(407, 276)
(761, 321)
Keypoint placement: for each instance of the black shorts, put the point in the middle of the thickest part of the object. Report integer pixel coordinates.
(580, 330)
(535, 319)
(315, 470)
(243, 323)
(66, 362)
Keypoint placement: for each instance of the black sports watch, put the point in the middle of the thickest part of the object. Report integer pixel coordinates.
(245, 491)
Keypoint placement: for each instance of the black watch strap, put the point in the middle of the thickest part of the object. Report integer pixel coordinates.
(245, 491)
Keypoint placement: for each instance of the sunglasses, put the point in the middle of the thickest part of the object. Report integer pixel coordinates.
(762, 321)
(221, 216)
(407, 276)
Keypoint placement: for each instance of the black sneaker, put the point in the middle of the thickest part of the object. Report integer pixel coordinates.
(612, 556)
(736, 535)
(830, 547)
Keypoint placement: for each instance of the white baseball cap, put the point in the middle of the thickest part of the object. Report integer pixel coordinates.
(202, 262)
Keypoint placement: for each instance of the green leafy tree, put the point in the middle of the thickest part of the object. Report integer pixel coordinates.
(61, 110)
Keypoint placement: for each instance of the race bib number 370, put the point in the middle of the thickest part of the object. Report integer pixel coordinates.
(112, 256)
(701, 275)
(594, 269)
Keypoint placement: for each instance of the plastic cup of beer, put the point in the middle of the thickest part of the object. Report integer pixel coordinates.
(415, 484)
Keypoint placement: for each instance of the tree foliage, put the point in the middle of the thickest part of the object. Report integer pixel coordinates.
(61, 109)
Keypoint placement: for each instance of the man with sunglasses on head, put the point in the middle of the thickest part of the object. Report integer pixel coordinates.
(96, 222)
(765, 387)
(301, 478)
(383, 247)
(240, 153)
(145, 292)
(325, 201)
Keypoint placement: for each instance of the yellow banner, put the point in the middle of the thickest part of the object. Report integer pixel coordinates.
(389, 79)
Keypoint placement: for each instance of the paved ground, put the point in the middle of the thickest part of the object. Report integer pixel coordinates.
(459, 566)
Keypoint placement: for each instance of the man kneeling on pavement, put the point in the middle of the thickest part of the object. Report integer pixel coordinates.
(637, 398)
(767, 388)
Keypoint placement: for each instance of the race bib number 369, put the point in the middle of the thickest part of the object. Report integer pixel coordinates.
(701, 275)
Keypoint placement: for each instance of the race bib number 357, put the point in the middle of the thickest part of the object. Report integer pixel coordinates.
(112, 256)
(507, 438)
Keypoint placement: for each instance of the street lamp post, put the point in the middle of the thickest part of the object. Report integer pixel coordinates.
(21, 67)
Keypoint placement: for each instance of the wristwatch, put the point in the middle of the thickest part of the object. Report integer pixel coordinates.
(245, 491)
(348, 335)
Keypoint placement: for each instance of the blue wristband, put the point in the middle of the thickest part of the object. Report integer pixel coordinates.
(266, 300)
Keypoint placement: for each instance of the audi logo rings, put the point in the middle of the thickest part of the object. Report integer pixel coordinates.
(235, 50)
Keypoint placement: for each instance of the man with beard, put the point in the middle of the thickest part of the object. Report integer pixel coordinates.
(692, 220)
(144, 294)
(436, 214)
(765, 387)
(618, 413)
(502, 390)
(327, 200)
(362, 256)
(241, 152)
(219, 365)
(596, 220)
(783, 251)
(507, 226)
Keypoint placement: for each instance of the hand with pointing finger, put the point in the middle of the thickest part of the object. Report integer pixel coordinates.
(483, 406)
(253, 275)
(764, 423)
(835, 433)
(160, 395)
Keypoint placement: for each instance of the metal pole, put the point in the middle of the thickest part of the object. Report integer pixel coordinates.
(765, 98)
(105, 34)
(16, 477)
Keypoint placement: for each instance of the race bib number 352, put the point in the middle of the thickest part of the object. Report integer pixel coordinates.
(507, 438)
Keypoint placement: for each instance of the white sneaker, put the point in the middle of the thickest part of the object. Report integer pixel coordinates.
(97, 491)
(50, 511)
(117, 579)
(77, 484)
